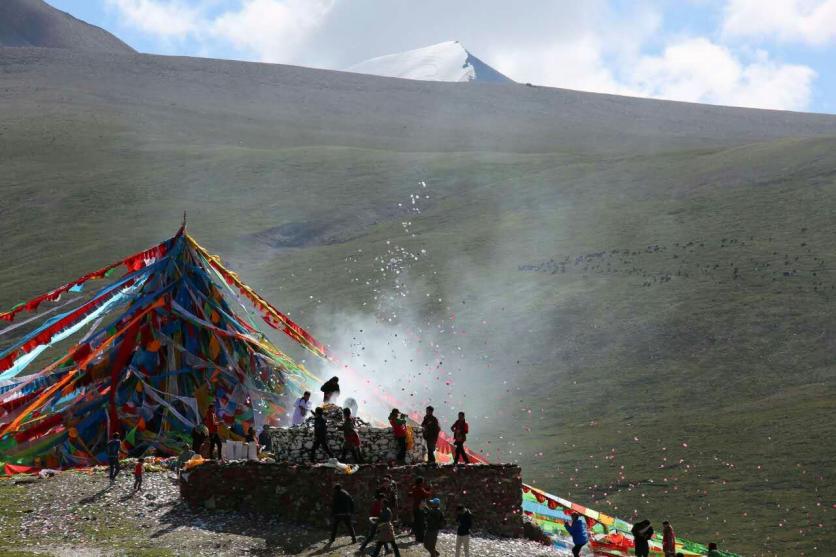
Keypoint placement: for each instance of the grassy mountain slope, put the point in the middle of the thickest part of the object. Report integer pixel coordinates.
(636, 296)
(36, 23)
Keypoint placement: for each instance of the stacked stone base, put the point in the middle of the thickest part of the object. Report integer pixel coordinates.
(293, 444)
(303, 494)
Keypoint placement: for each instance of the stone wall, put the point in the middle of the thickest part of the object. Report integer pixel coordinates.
(293, 444)
(303, 494)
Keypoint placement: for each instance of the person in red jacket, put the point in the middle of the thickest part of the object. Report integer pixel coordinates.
(374, 514)
(460, 430)
(211, 421)
(139, 471)
(419, 493)
(398, 423)
(668, 540)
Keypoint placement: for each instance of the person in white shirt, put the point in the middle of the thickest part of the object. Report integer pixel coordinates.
(301, 408)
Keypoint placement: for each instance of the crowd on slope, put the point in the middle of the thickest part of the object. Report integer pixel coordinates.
(426, 521)
(427, 517)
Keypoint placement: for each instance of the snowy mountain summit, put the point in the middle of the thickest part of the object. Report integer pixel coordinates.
(448, 61)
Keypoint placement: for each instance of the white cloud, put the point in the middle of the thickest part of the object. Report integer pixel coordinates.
(699, 70)
(805, 21)
(591, 46)
(272, 30)
(693, 70)
(165, 19)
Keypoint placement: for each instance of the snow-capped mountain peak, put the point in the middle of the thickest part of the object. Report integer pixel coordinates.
(447, 61)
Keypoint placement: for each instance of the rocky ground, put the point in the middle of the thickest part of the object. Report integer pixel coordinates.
(81, 513)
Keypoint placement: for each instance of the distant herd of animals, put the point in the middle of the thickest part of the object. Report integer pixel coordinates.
(657, 264)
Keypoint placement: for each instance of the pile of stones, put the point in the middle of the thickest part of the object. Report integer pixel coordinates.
(293, 444)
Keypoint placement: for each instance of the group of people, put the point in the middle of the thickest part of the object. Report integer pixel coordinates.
(352, 444)
(427, 518)
(431, 429)
(642, 534)
(208, 431)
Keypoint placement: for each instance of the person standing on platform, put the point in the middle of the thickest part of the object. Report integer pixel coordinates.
(211, 421)
(264, 439)
(320, 427)
(398, 423)
(431, 430)
(351, 439)
(460, 430)
(301, 409)
(331, 390)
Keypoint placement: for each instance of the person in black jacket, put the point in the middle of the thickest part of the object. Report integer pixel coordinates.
(265, 440)
(435, 522)
(465, 520)
(431, 429)
(320, 428)
(642, 533)
(341, 510)
(331, 390)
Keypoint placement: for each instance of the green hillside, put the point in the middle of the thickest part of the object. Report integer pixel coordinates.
(647, 330)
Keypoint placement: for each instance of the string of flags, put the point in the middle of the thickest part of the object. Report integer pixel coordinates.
(164, 341)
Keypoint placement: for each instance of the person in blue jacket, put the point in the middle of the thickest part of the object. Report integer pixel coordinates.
(580, 537)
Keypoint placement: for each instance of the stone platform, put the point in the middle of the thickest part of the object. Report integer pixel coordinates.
(293, 444)
(302, 494)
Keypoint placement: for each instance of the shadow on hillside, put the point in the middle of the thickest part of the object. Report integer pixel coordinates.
(279, 538)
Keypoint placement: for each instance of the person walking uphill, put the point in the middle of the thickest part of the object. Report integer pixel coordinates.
(668, 540)
(341, 510)
(580, 537)
(387, 533)
(320, 428)
(419, 493)
(398, 423)
(431, 431)
(331, 390)
(435, 522)
(642, 534)
(460, 430)
(113, 448)
(211, 421)
(465, 521)
(374, 514)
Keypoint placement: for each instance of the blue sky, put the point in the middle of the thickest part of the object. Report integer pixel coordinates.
(760, 53)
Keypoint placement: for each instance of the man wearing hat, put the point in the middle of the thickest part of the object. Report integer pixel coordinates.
(435, 522)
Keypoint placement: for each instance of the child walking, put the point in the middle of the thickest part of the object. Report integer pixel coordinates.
(139, 471)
